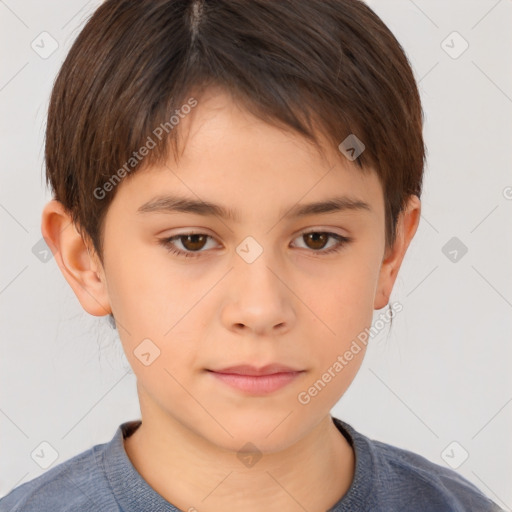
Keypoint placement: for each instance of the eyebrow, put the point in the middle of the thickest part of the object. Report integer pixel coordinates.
(173, 204)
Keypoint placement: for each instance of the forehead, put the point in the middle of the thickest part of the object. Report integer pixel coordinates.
(231, 161)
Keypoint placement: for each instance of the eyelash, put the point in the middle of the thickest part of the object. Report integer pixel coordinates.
(168, 243)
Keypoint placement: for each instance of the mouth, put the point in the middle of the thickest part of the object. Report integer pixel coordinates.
(247, 369)
(257, 381)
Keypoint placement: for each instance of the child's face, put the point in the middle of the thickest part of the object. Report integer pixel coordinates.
(218, 308)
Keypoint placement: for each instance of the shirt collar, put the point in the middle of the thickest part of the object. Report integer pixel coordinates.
(134, 494)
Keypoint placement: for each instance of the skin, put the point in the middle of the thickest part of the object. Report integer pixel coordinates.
(292, 305)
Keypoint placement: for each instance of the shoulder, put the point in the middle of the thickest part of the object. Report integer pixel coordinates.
(433, 481)
(77, 484)
(403, 480)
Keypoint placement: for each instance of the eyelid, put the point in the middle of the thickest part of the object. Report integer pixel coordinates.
(318, 229)
(304, 231)
(342, 241)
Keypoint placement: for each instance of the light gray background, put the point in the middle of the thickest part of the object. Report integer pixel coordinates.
(440, 375)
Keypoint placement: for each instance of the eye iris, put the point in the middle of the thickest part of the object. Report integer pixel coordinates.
(315, 238)
(194, 239)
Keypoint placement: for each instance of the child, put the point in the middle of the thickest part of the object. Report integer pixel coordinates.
(236, 183)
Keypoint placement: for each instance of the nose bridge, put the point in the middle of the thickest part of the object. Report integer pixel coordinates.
(258, 299)
(253, 270)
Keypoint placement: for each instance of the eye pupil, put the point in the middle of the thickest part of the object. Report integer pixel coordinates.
(194, 239)
(315, 237)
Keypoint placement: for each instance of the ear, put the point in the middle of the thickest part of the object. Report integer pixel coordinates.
(407, 225)
(81, 269)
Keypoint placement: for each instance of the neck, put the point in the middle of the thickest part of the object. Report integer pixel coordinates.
(192, 473)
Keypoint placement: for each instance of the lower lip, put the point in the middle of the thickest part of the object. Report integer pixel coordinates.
(254, 384)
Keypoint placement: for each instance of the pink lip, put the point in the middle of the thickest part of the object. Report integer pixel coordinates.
(257, 381)
(247, 369)
(257, 384)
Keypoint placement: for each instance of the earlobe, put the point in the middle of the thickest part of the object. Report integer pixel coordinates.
(79, 267)
(406, 228)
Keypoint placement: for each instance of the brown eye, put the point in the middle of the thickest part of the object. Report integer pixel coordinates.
(319, 242)
(193, 242)
(316, 240)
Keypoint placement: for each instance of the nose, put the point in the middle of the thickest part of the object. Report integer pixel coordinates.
(258, 299)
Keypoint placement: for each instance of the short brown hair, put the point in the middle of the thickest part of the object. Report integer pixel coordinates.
(301, 64)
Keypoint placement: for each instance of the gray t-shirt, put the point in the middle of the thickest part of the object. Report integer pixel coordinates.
(386, 479)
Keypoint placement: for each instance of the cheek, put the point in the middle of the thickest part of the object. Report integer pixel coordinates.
(346, 299)
(154, 300)
(144, 288)
(346, 307)
(332, 376)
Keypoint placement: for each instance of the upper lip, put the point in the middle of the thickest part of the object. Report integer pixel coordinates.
(247, 369)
